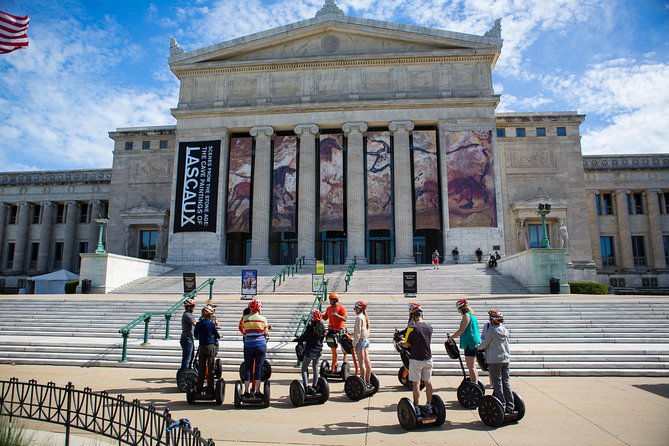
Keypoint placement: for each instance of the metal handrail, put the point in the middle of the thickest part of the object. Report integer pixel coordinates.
(97, 412)
(146, 318)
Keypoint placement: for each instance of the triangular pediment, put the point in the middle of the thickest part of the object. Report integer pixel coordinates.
(335, 36)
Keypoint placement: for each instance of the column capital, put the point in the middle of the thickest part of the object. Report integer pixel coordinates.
(401, 126)
(351, 127)
(261, 132)
(302, 130)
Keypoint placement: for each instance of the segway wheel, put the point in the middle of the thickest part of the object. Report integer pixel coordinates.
(238, 394)
(345, 371)
(265, 395)
(296, 393)
(469, 394)
(491, 411)
(519, 406)
(440, 408)
(375, 383)
(218, 368)
(219, 392)
(354, 387)
(325, 367)
(190, 394)
(266, 370)
(323, 388)
(406, 414)
(185, 377)
(403, 377)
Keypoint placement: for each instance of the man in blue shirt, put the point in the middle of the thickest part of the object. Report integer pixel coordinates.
(205, 331)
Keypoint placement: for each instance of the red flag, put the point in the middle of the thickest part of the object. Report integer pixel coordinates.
(13, 32)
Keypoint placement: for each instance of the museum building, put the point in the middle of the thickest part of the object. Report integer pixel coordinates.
(341, 138)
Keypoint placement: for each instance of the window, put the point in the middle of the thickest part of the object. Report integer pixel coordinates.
(34, 253)
(501, 133)
(561, 131)
(638, 250)
(58, 255)
(163, 144)
(13, 214)
(618, 282)
(535, 234)
(520, 132)
(37, 209)
(665, 240)
(10, 255)
(147, 247)
(635, 203)
(146, 145)
(649, 282)
(83, 213)
(60, 213)
(128, 145)
(608, 253)
(541, 131)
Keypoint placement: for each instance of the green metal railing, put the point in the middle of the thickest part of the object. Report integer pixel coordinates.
(349, 273)
(288, 270)
(146, 318)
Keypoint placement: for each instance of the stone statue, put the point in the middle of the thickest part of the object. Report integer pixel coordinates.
(521, 236)
(563, 235)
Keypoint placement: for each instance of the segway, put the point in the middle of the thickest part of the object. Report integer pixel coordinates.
(216, 394)
(492, 413)
(184, 376)
(469, 393)
(433, 414)
(254, 400)
(326, 370)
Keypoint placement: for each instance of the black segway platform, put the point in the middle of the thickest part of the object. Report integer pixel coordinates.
(469, 393)
(299, 395)
(492, 413)
(431, 414)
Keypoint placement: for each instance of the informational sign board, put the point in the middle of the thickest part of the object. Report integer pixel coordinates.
(316, 282)
(410, 283)
(190, 282)
(320, 267)
(249, 283)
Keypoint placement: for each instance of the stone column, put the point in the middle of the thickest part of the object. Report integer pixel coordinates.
(45, 237)
(21, 238)
(262, 183)
(93, 227)
(626, 261)
(593, 220)
(355, 191)
(306, 207)
(69, 240)
(402, 189)
(657, 260)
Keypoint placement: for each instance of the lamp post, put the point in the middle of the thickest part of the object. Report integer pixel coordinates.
(543, 210)
(100, 249)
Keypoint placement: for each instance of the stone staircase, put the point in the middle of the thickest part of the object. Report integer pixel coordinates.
(549, 337)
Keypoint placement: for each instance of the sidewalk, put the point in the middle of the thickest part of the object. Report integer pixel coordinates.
(560, 411)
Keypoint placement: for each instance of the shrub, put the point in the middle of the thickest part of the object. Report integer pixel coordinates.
(588, 288)
(71, 286)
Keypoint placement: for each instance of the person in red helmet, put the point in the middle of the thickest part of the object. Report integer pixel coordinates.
(470, 337)
(361, 341)
(335, 314)
(313, 338)
(256, 332)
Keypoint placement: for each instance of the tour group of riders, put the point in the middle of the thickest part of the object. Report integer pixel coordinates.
(494, 340)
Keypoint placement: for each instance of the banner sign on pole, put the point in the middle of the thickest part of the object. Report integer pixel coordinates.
(316, 282)
(410, 282)
(190, 282)
(249, 283)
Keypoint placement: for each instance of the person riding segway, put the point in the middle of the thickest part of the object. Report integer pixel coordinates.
(256, 333)
(206, 333)
(312, 340)
(417, 340)
(336, 316)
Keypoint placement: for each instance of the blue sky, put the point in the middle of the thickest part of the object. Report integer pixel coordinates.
(93, 66)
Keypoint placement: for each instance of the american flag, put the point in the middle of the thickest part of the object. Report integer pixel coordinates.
(13, 32)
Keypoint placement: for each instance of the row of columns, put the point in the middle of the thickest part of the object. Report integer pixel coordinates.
(655, 244)
(355, 206)
(70, 240)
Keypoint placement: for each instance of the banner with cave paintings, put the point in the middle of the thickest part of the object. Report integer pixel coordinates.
(239, 184)
(471, 180)
(426, 179)
(331, 182)
(379, 185)
(284, 184)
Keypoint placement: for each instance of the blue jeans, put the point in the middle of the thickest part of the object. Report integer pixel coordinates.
(187, 349)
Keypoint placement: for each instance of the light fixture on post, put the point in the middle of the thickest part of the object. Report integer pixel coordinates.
(100, 249)
(543, 210)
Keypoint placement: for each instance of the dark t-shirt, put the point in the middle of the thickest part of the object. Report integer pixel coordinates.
(419, 338)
